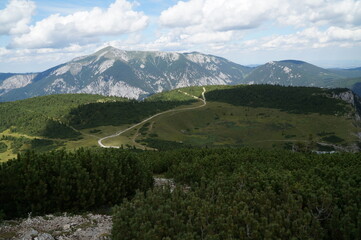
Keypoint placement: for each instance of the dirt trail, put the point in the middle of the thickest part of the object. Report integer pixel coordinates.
(203, 99)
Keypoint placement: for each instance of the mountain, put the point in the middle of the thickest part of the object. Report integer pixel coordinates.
(138, 74)
(291, 73)
(131, 74)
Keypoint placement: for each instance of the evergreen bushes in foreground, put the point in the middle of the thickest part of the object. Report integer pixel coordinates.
(70, 181)
(247, 194)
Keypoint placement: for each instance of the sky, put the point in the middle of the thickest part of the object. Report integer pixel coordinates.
(39, 34)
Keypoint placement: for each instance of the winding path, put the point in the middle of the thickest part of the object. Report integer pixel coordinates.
(203, 99)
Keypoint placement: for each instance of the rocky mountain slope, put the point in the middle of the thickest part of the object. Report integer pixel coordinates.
(131, 74)
(11, 81)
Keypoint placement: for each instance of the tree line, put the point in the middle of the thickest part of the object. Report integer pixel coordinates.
(300, 100)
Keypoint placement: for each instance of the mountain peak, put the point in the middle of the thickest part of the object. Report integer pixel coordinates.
(105, 50)
(112, 53)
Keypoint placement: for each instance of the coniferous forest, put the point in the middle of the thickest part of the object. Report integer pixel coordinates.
(220, 193)
(77, 181)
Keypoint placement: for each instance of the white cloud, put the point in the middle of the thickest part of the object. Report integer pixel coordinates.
(210, 24)
(15, 17)
(3, 52)
(33, 60)
(220, 15)
(345, 13)
(183, 14)
(225, 15)
(83, 27)
(308, 38)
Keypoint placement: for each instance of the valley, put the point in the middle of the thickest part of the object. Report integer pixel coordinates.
(233, 116)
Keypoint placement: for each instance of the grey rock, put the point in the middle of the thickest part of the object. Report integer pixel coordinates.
(44, 236)
(30, 234)
(67, 227)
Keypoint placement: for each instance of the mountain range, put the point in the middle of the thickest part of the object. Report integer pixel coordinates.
(138, 74)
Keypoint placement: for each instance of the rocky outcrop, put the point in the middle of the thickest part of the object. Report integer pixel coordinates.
(50, 227)
(67, 227)
(351, 98)
(347, 96)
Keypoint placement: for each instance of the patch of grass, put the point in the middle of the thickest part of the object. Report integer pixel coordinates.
(245, 127)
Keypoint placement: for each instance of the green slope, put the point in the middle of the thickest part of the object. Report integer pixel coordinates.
(50, 122)
(41, 122)
(257, 116)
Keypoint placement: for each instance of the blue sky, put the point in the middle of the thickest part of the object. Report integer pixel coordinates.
(38, 34)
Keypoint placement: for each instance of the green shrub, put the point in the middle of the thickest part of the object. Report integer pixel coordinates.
(247, 194)
(77, 181)
(3, 147)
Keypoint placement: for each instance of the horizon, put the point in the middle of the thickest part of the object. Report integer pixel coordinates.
(36, 35)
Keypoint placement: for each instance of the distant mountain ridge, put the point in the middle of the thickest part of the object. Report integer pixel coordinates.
(131, 74)
(137, 74)
(291, 73)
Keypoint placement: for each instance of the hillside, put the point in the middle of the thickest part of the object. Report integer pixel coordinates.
(50, 122)
(40, 123)
(347, 73)
(351, 83)
(251, 115)
(257, 116)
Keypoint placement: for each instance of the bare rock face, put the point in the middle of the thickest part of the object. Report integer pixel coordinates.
(50, 227)
(347, 96)
(44, 236)
(350, 98)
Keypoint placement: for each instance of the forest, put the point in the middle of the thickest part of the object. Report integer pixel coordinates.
(300, 100)
(118, 113)
(61, 181)
(240, 193)
(46, 115)
(246, 194)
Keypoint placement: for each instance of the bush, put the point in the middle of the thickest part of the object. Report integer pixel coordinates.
(3, 147)
(247, 194)
(60, 181)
